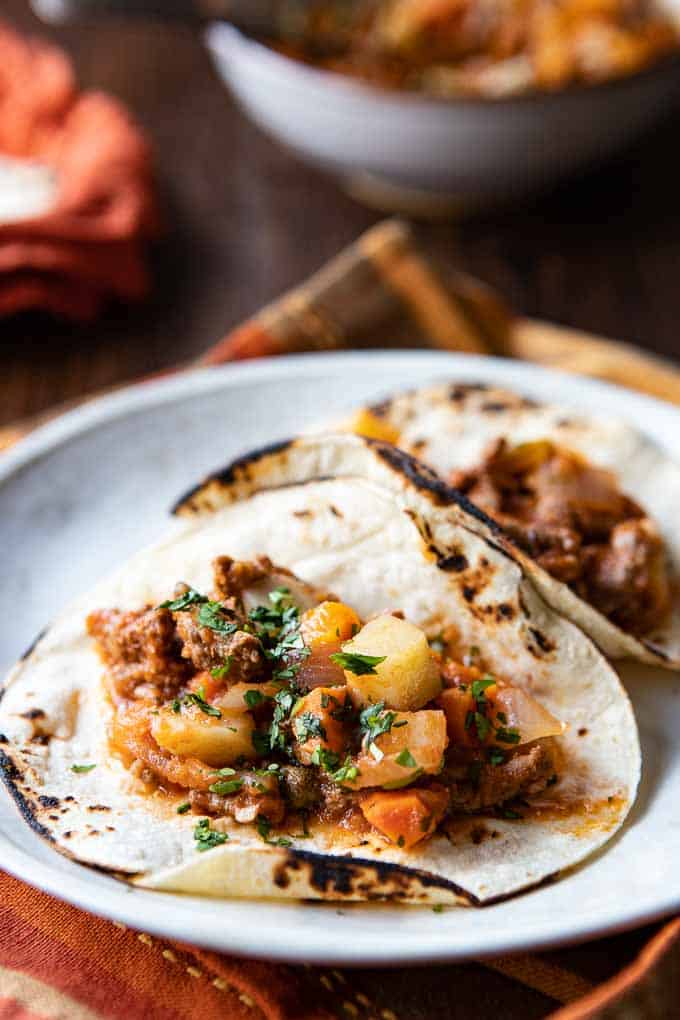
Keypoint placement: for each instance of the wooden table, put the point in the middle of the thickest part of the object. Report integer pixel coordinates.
(602, 254)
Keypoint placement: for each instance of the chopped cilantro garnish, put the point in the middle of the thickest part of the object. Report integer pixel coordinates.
(325, 759)
(206, 838)
(226, 786)
(183, 808)
(438, 908)
(307, 726)
(479, 686)
(482, 725)
(469, 719)
(496, 756)
(253, 698)
(347, 773)
(284, 703)
(219, 672)
(82, 768)
(359, 665)
(264, 828)
(226, 771)
(406, 759)
(401, 841)
(185, 601)
(506, 736)
(198, 698)
(374, 721)
(260, 741)
(211, 615)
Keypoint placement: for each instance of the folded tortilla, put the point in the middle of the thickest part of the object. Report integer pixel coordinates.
(359, 518)
(451, 426)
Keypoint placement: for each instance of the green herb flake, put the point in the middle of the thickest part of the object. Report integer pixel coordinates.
(506, 736)
(374, 721)
(482, 725)
(226, 786)
(264, 828)
(198, 698)
(82, 768)
(308, 726)
(438, 908)
(186, 601)
(253, 698)
(359, 665)
(219, 672)
(183, 808)
(401, 841)
(406, 759)
(479, 686)
(207, 838)
(211, 615)
(496, 756)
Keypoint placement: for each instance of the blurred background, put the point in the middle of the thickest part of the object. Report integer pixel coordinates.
(242, 219)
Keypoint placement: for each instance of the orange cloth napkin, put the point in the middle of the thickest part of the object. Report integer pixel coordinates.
(88, 245)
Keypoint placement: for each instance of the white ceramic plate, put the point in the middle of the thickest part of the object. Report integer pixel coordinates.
(89, 489)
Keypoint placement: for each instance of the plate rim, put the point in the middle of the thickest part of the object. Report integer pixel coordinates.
(129, 909)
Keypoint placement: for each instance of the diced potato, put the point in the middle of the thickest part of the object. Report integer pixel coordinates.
(406, 816)
(192, 733)
(234, 699)
(320, 710)
(408, 678)
(423, 738)
(365, 423)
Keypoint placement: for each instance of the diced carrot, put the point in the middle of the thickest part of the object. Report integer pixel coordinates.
(406, 816)
(211, 686)
(455, 674)
(329, 623)
(316, 723)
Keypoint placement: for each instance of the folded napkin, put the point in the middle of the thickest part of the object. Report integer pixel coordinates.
(57, 961)
(77, 202)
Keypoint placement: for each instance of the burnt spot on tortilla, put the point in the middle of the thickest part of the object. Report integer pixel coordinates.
(456, 562)
(12, 776)
(460, 391)
(495, 406)
(582, 732)
(504, 611)
(334, 510)
(39, 636)
(98, 807)
(33, 713)
(418, 444)
(3, 739)
(373, 880)
(238, 468)
(546, 644)
(469, 593)
(49, 801)
(68, 833)
(381, 409)
(302, 513)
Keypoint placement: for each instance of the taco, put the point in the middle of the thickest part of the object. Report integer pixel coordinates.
(328, 681)
(590, 500)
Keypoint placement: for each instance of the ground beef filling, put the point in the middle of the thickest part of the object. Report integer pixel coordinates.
(199, 660)
(573, 520)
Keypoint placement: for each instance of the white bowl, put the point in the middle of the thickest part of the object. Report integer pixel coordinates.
(419, 153)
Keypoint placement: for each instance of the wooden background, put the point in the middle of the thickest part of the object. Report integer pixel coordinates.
(246, 221)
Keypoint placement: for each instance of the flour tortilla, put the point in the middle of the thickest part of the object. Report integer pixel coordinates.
(367, 522)
(450, 427)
